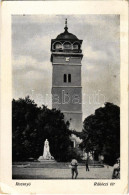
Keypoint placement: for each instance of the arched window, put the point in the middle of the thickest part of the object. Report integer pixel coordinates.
(67, 45)
(65, 78)
(69, 78)
(57, 46)
(76, 45)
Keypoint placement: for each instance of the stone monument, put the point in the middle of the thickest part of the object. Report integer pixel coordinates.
(46, 152)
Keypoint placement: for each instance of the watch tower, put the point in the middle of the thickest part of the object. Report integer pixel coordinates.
(66, 56)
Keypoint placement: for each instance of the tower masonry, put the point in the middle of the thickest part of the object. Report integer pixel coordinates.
(66, 56)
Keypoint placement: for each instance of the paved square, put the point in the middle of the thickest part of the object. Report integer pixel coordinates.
(59, 171)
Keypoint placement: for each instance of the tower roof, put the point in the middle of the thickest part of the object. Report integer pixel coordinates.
(66, 35)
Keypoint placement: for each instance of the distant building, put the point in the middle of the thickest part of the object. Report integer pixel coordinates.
(66, 59)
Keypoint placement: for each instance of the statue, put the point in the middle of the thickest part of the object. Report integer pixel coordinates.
(46, 152)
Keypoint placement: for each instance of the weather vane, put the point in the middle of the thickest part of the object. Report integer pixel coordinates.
(66, 28)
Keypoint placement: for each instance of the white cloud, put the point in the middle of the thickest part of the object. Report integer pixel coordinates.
(40, 42)
(21, 61)
(28, 62)
(91, 54)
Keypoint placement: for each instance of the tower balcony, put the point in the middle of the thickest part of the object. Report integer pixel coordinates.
(67, 50)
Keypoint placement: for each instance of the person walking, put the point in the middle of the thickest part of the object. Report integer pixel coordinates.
(74, 165)
(87, 163)
(116, 170)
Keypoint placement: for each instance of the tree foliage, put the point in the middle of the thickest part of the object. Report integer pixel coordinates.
(31, 125)
(101, 133)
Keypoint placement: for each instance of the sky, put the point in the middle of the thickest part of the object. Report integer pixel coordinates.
(32, 69)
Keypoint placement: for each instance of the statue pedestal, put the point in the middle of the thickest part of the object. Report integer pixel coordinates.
(41, 158)
(45, 160)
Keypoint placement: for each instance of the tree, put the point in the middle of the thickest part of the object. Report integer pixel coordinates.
(101, 133)
(31, 125)
(24, 112)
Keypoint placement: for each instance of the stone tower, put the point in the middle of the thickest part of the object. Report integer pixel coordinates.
(66, 56)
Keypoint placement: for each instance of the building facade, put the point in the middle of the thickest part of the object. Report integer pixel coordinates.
(66, 56)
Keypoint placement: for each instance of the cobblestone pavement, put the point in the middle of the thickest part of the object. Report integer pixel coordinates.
(29, 172)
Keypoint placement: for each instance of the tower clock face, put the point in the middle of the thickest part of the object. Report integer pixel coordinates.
(67, 59)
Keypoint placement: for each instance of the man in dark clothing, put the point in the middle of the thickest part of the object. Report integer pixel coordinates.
(87, 164)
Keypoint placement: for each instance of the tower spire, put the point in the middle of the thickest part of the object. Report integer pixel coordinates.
(66, 28)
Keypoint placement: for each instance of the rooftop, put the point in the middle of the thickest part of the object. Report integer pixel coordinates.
(66, 34)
